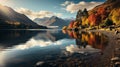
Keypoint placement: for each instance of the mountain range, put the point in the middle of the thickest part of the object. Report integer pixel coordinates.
(10, 19)
(52, 21)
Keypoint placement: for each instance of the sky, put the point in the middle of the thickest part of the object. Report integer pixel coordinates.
(47, 8)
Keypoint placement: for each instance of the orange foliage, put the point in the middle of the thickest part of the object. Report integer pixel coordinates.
(94, 19)
(71, 24)
(101, 11)
(76, 24)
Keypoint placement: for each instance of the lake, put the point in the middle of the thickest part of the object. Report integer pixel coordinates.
(55, 48)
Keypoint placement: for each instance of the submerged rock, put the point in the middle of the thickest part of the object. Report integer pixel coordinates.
(117, 64)
(116, 32)
(39, 63)
(115, 59)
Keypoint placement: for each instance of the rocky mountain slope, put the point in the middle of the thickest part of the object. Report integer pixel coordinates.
(10, 19)
(52, 21)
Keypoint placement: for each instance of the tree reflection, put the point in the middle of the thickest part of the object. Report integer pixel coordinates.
(86, 54)
(96, 40)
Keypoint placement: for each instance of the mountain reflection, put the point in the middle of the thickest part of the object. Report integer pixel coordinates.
(31, 46)
(52, 48)
(9, 38)
(83, 39)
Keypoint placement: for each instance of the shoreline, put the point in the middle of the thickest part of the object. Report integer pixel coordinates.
(112, 50)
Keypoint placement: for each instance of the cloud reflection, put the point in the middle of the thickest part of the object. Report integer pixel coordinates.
(2, 59)
(32, 43)
(75, 49)
(40, 43)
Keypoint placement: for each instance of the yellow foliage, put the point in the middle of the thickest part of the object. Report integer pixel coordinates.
(115, 16)
(83, 37)
(87, 21)
(84, 20)
(13, 23)
(64, 28)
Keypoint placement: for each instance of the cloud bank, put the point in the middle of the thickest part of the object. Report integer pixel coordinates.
(74, 7)
(41, 14)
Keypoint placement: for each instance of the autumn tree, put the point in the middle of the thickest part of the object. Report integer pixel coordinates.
(115, 16)
(71, 25)
(94, 19)
(82, 16)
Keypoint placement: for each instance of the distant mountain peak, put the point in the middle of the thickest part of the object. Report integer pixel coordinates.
(52, 21)
(54, 17)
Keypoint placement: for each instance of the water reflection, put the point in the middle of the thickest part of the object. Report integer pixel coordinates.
(88, 49)
(83, 39)
(85, 52)
(30, 46)
(9, 38)
(51, 48)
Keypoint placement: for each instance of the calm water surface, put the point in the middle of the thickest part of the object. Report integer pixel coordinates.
(52, 48)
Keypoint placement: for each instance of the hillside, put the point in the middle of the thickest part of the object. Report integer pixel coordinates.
(103, 15)
(10, 19)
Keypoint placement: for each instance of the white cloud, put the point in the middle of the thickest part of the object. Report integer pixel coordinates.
(41, 14)
(66, 3)
(75, 49)
(74, 7)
